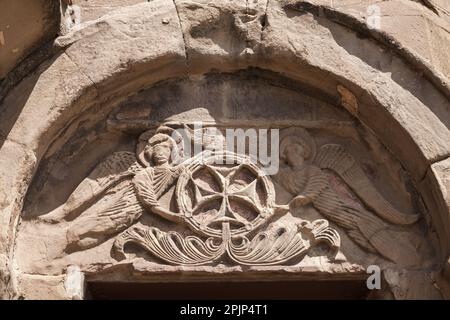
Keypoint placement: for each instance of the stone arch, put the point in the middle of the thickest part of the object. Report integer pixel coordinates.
(135, 48)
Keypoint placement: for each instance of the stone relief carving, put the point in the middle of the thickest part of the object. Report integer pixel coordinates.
(226, 203)
(308, 174)
(122, 187)
(229, 204)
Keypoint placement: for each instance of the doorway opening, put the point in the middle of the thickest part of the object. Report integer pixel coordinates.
(231, 290)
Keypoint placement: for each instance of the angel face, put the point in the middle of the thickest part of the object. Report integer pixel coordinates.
(296, 155)
(161, 152)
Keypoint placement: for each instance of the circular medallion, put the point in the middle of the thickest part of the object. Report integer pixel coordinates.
(225, 188)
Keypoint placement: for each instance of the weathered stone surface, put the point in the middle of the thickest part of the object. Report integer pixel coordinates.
(277, 39)
(435, 189)
(227, 34)
(38, 287)
(443, 280)
(394, 22)
(362, 138)
(140, 187)
(441, 6)
(25, 25)
(4, 276)
(129, 47)
(412, 285)
(30, 100)
(94, 9)
(294, 38)
(16, 166)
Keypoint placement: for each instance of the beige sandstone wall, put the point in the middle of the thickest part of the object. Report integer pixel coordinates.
(24, 27)
(393, 82)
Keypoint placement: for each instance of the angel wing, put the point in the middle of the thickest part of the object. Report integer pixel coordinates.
(103, 220)
(337, 159)
(114, 169)
(366, 229)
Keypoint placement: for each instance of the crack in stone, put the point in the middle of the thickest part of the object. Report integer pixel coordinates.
(265, 20)
(186, 54)
(81, 70)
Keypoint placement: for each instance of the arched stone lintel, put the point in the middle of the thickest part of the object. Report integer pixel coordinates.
(113, 58)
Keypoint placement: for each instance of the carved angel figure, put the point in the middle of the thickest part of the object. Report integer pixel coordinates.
(119, 190)
(306, 175)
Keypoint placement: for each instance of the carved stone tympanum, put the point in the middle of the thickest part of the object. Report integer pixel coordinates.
(228, 203)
